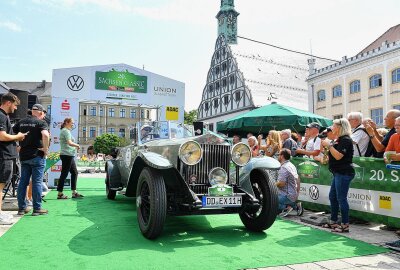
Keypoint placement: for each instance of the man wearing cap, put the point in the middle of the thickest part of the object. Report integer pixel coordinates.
(33, 158)
(313, 144)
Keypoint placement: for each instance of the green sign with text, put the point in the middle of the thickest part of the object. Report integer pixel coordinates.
(123, 81)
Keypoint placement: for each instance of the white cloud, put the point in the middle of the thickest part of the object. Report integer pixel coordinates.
(10, 26)
(173, 10)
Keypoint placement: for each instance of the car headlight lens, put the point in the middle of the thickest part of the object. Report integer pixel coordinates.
(241, 154)
(218, 176)
(190, 152)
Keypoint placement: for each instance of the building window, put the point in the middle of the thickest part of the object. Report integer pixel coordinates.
(355, 87)
(132, 134)
(93, 111)
(84, 112)
(211, 127)
(217, 55)
(206, 106)
(100, 131)
(338, 116)
(396, 107)
(217, 85)
(101, 111)
(210, 88)
(337, 91)
(133, 113)
(396, 75)
(375, 81)
(148, 114)
(223, 82)
(216, 70)
(377, 116)
(92, 132)
(321, 95)
(111, 112)
(223, 66)
(122, 132)
(226, 100)
(48, 109)
(122, 113)
(84, 132)
(111, 130)
(237, 95)
(215, 103)
(232, 79)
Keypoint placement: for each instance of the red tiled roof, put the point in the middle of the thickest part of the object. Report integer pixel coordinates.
(391, 35)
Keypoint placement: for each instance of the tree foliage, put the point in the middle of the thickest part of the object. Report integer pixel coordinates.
(104, 143)
(190, 117)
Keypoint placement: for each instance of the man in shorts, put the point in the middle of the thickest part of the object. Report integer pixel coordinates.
(8, 148)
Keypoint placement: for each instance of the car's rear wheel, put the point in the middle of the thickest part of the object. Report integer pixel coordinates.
(151, 202)
(109, 192)
(267, 193)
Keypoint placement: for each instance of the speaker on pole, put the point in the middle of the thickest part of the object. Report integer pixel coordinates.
(198, 128)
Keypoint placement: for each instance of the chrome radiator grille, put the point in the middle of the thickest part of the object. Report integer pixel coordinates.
(213, 156)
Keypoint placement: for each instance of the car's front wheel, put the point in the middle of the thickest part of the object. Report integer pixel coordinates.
(267, 193)
(151, 202)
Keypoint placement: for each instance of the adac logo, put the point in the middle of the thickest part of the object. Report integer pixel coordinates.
(313, 191)
(75, 83)
(385, 202)
(65, 105)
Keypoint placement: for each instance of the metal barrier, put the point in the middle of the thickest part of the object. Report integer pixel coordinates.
(374, 193)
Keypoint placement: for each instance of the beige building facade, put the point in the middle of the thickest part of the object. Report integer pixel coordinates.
(368, 82)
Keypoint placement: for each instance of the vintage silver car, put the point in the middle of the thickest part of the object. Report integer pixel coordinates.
(172, 172)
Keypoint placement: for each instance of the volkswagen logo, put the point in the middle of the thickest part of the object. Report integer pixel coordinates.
(75, 83)
(313, 192)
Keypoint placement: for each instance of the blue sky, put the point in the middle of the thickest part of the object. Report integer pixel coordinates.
(174, 38)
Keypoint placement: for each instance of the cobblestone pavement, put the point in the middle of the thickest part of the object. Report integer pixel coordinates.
(370, 233)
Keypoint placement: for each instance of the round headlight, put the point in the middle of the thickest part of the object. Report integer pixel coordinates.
(218, 176)
(190, 152)
(241, 154)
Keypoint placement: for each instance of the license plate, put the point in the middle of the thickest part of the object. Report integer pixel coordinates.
(226, 201)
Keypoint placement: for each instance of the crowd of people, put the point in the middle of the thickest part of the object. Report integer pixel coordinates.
(335, 146)
(27, 143)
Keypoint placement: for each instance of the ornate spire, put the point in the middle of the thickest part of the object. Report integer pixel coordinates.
(227, 21)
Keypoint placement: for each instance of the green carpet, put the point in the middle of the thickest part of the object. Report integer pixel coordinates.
(95, 233)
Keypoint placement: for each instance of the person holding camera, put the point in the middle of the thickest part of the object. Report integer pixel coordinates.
(340, 164)
(323, 156)
(8, 148)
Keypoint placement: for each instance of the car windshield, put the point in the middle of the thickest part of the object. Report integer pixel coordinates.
(157, 130)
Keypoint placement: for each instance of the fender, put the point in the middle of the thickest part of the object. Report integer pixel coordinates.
(155, 160)
(113, 173)
(265, 163)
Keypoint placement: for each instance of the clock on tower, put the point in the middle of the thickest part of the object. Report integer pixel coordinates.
(227, 21)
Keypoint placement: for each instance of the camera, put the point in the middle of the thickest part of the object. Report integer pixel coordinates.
(323, 134)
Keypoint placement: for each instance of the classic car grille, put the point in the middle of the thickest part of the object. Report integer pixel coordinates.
(213, 156)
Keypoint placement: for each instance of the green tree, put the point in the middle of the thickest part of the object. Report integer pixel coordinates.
(124, 142)
(190, 117)
(104, 143)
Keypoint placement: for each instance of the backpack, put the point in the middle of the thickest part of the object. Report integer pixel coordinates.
(371, 152)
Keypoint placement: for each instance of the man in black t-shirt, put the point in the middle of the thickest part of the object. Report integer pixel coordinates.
(380, 143)
(33, 158)
(8, 147)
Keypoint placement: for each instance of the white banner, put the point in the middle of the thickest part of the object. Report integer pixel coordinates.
(369, 201)
(61, 108)
(122, 83)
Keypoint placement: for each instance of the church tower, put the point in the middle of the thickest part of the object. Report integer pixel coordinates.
(227, 21)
